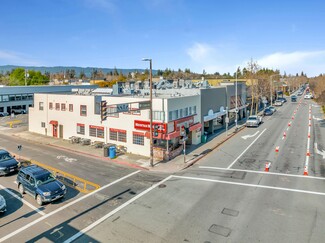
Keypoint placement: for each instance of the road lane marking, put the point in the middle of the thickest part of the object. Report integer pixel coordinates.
(262, 172)
(320, 152)
(250, 136)
(250, 185)
(64, 207)
(22, 200)
(99, 221)
(246, 149)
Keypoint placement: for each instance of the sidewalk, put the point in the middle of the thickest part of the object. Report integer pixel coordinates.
(140, 162)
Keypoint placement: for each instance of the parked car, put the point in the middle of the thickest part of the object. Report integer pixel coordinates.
(278, 103)
(18, 111)
(272, 108)
(299, 93)
(40, 184)
(253, 121)
(3, 205)
(283, 100)
(8, 163)
(268, 112)
(307, 96)
(2, 114)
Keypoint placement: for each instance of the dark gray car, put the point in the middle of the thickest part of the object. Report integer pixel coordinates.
(8, 163)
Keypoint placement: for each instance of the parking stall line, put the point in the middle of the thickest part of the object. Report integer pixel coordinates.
(23, 201)
(64, 207)
(80, 233)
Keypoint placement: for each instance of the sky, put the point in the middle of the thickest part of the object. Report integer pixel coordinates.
(210, 35)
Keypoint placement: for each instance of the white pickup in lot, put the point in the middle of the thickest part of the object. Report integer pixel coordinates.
(253, 121)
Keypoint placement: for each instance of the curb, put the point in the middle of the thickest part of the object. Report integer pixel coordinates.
(213, 148)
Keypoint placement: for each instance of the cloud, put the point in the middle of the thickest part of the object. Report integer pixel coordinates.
(200, 52)
(311, 62)
(7, 57)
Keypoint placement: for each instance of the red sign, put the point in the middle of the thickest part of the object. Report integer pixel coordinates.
(145, 125)
(186, 122)
(96, 127)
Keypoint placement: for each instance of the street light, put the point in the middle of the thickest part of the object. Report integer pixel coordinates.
(236, 109)
(150, 112)
(271, 88)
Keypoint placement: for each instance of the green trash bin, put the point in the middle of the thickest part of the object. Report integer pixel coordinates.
(204, 138)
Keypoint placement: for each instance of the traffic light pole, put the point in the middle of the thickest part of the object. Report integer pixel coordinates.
(184, 144)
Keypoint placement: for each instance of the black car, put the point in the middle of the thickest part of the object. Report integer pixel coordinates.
(268, 112)
(40, 184)
(8, 163)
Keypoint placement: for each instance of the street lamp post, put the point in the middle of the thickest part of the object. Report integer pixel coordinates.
(236, 109)
(271, 87)
(150, 112)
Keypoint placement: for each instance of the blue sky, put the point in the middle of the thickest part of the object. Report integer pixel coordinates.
(213, 35)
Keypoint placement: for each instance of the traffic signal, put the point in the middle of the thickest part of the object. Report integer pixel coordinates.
(103, 110)
(155, 130)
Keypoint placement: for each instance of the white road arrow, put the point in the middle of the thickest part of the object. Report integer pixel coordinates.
(250, 136)
(316, 118)
(315, 105)
(322, 153)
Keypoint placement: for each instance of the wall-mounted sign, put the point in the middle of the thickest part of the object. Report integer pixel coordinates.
(145, 125)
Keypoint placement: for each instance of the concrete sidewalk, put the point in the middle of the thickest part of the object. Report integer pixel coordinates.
(195, 153)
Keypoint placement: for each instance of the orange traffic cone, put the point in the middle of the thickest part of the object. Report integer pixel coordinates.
(289, 124)
(284, 134)
(308, 135)
(277, 149)
(308, 153)
(267, 166)
(306, 171)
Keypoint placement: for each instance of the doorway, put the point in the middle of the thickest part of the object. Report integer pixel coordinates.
(61, 131)
(55, 131)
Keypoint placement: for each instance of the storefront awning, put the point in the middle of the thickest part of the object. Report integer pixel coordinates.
(196, 126)
(239, 108)
(162, 136)
(55, 123)
(214, 116)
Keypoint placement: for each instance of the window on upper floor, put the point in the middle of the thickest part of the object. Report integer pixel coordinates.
(83, 110)
(57, 106)
(71, 107)
(50, 105)
(62, 107)
(41, 106)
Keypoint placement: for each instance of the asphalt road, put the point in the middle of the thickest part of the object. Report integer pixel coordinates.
(227, 197)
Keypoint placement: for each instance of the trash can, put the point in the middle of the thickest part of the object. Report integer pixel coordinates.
(112, 152)
(106, 151)
(204, 137)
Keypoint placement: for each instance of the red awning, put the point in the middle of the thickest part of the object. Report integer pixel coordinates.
(164, 136)
(55, 123)
(196, 126)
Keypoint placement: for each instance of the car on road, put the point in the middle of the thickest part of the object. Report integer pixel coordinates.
(293, 98)
(307, 96)
(253, 121)
(278, 103)
(267, 112)
(40, 184)
(3, 205)
(299, 93)
(8, 163)
(2, 114)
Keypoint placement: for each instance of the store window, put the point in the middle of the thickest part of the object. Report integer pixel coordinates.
(71, 107)
(194, 109)
(57, 106)
(138, 139)
(81, 129)
(51, 106)
(83, 110)
(158, 115)
(117, 135)
(41, 106)
(95, 131)
(62, 107)
(42, 124)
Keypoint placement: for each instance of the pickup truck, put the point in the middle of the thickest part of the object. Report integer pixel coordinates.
(253, 121)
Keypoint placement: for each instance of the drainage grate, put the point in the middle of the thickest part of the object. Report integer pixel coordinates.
(230, 212)
(162, 186)
(220, 230)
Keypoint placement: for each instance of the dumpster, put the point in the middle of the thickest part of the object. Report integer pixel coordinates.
(112, 152)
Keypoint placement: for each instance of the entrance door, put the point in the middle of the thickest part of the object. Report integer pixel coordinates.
(61, 131)
(55, 131)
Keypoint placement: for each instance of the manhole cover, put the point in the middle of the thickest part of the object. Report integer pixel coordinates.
(230, 212)
(162, 186)
(220, 230)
